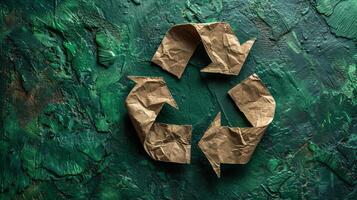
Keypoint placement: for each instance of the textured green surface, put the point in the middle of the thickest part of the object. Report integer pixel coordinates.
(65, 132)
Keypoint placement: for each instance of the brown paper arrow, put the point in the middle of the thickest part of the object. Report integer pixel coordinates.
(163, 142)
(221, 44)
(235, 145)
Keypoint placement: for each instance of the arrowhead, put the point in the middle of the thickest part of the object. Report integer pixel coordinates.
(221, 44)
(247, 45)
(216, 122)
(236, 56)
(162, 142)
(209, 145)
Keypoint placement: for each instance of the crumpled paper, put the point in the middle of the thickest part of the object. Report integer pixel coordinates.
(221, 44)
(235, 145)
(162, 142)
(220, 144)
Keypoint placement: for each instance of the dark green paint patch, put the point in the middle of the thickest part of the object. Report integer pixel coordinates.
(65, 132)
(326, 7)
(336, 163)
(341, 16)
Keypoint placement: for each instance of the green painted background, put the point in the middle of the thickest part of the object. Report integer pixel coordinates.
(65, 133)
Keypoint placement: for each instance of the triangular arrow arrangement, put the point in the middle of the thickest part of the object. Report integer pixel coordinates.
(220, 144)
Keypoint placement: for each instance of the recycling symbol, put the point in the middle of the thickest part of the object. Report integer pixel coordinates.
(220, 144)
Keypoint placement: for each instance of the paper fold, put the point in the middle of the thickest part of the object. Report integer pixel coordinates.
(235, 145)
(220, 144)
(221, 44)
(162, 142)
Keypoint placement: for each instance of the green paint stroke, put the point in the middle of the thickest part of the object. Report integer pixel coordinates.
(65, 132)
(341, 16)
(335, 162)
